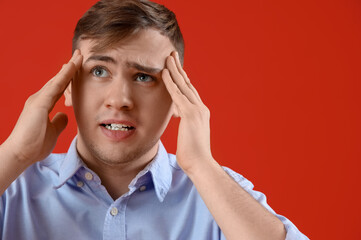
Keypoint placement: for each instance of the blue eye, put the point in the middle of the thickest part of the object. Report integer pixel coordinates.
(100, 72)
(141, 77)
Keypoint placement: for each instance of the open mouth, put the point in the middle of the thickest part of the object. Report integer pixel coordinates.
(117, 127)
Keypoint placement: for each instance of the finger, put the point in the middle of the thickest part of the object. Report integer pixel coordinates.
(54, 89)
(180, 81)
(72, 59)
(67, 71)
(177, 96)
(184, 74)
(59, 121)
(65, 68)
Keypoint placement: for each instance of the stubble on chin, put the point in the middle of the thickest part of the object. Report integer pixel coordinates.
(118, 158)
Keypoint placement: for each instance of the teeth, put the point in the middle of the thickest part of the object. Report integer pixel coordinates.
(117, 127)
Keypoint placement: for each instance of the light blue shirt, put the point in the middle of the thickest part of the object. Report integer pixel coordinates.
(60, 198)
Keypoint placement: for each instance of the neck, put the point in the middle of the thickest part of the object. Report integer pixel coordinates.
(117, 177)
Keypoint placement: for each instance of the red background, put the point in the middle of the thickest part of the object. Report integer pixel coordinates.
(280, 77)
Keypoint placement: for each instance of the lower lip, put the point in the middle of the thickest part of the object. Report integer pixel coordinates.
(117, 135)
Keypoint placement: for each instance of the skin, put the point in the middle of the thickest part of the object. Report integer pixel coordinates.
(121, 92)
(34, 135)
(119, 96)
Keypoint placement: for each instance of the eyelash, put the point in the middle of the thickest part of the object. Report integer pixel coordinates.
(151, 79)
(92, 71)
(101, 68)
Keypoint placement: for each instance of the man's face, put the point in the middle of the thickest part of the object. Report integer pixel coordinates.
(121, 104)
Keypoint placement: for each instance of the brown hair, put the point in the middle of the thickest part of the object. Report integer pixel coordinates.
(114, 20)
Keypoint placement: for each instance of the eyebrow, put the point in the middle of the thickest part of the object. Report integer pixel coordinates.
(143, 68)
(134, 65)
(101, 58)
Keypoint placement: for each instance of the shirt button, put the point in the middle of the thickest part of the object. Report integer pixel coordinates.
(142, 188)
(114, 211)
(88, 176)
(80, 184)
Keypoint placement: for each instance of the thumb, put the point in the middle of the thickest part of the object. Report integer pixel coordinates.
(175, 111)
(59, 121)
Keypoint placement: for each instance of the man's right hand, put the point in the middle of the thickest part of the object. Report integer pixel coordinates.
(35, 135)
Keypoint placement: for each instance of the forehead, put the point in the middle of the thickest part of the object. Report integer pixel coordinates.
(147, 47)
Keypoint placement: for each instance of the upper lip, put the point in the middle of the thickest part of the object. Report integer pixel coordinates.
(117, 121)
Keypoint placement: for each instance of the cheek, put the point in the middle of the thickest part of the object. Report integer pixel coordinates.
(158, 106)
(83, 97)
(78, 93)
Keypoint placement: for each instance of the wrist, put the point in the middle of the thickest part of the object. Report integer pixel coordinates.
(201, 167)
(11, 166)
(9, 153)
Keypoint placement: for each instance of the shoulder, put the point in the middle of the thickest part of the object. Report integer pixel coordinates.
(172, 159)
(241, 180)
(40, 174)
(180, 174)
(49, 166)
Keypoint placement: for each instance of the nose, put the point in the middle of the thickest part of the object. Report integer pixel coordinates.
(119, 95)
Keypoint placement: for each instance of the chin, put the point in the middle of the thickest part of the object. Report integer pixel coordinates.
(115, 156)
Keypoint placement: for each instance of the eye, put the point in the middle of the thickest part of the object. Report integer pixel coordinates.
(99, 72)
(141, 77)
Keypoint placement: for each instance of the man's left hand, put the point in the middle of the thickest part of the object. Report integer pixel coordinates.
(193, 146)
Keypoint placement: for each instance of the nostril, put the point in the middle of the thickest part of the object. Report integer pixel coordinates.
(119, 101)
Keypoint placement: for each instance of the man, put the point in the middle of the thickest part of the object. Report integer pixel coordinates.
(125, 81)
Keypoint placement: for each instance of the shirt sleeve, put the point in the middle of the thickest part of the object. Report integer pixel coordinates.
(292, 232)
(1, 215)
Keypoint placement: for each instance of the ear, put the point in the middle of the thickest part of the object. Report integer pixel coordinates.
(67, 94)
(175, 110)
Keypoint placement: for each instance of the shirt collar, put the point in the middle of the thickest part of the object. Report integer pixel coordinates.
(158, 171)
(161, 172)
(159, 168)
(70, 165)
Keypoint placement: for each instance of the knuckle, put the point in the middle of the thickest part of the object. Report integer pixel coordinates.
(67, 69)
(71, 65)
(206, 110)
(184, 85)
(200, 112)
(183, 72)
(53, 85)
(178, 92)
(203, 112)
(71, 68)
(29, 100)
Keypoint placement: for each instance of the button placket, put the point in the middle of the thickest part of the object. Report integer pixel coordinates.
(114, 224)
(80, 184)
(143, 188)
(88, 176)
(114, 211)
